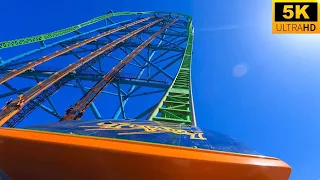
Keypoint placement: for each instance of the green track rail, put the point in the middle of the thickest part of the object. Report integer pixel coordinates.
(55, 34)
(176, 106)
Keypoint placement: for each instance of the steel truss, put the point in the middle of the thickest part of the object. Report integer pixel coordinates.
(161, 69)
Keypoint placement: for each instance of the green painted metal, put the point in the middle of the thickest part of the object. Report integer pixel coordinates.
(176, 105)
(55, 34)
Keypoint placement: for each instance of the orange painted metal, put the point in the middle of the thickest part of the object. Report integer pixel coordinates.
(16, 105)
(33, 64)
(76, 111)
(26, 154)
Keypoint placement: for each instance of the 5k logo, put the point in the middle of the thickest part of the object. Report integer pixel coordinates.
(291, 11)
(295, 17)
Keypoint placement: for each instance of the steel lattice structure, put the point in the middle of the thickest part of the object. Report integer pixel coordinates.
(125, 55)
(110, 95)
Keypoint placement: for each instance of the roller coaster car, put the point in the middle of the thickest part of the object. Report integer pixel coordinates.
(130, 149)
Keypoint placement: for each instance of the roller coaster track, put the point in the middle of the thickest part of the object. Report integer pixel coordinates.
(44, 59)
(55, 34)
(177, 104)
(41, 98)
(76, 111)
(16, 105)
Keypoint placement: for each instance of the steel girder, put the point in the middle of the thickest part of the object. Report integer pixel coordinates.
(176, 45)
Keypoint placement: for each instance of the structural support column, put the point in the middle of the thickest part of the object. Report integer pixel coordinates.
(132, 88)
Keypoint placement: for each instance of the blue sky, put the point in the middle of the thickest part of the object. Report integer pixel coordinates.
(260, 88)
